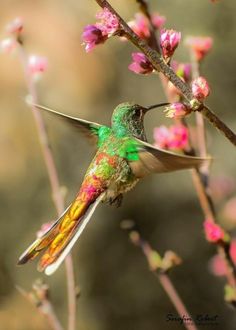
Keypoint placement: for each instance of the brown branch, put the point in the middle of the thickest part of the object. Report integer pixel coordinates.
(201, 182)
(160, 65)
(43, 305)
(153, 41)
(155, 265)
(54, 181)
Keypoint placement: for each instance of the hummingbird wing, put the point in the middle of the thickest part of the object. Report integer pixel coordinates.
(154, 160)
(89, 128)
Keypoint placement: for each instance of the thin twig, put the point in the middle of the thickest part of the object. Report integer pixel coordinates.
(153, 41)
(54, 181)
(164, 279)
(160, 65)
(44, 307)
(201, 182)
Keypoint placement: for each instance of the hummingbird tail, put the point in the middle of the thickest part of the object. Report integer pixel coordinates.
(61, 237)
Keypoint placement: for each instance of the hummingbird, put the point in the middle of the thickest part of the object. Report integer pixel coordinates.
(123, 157)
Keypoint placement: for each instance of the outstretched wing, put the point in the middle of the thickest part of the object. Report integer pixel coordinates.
(154, 160)
(89, 128)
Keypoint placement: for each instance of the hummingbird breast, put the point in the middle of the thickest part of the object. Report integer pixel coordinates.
(109, 171)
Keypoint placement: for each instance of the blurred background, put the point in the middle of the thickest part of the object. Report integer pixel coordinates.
(117, 289)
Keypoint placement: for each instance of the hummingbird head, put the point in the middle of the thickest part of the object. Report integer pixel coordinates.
(127, 119)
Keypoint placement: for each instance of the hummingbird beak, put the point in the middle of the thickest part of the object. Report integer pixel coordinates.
(155, 106)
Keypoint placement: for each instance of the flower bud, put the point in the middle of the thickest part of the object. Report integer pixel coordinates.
(37, 65)
(140, 26)
(8, 45)
(169, 42)
(92, 36)
(214, 233)
(157, 20)
(140, 64)
(176, 110)
(109, 23)
(183, 70)
(200, 46)
(200, 88)
(16, 26)
(174, 137)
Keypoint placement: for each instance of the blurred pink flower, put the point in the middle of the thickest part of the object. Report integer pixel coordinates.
(92, 36)
(183, 70)
(176, 110)
(174, 137)
(200, 46)
(200, 88)
(222, 187)
(140, 26)
(217, 263)
(37, 64)
(179, 138)
(109, 23)
(229, 210)
(8, 45)
(16, 26)
(161, 137)
(169, 41)
(157, 20)
(214, 233)
(140, 64)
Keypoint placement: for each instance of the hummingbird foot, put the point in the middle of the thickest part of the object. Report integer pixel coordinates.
(117, 201)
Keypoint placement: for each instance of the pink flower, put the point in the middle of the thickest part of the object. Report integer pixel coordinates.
(161, 137)
(214, 233)
(217, 263)
(176, 110)
(200, 88)
(169, 42)
(92, 36)
(140, 64)
(179, 137)
(37, 65)
(157, 20)
(140, 26)
(174, 137)
(183, 70)
(16, 26)
(200, 46)
(8, 45)
(108, 24)
(229, 211)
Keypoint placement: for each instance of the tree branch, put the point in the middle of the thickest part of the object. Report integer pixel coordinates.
(160, 65)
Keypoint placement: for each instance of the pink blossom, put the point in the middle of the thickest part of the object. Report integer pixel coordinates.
(169, 42)
(140, 64)
(214, 233)
(183, 70)
(217, 263)
(179, 137)
(176, 110)
(37, 64)
(200, 88)
(200, 46)
(8, 45)
(140, 26)
(162, 137)
(16, 26)
(229, 211)
(92, 36)
(157, 20)
(174, 137)
(109, 23)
